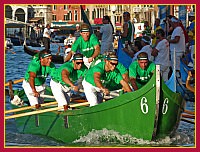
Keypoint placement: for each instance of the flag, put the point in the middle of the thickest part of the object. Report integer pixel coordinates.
(85, 19)
(162, 15)
(123, 58)
(182, 14)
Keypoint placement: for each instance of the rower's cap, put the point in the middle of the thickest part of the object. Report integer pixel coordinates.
(142, 56)
(78, 56)
(111, 57)
(77, 25)
(191, 14)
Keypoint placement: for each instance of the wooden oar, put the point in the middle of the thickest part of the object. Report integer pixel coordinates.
(33, 112)
(188, 121)
(43, 111)
(30, 107)
(15, 82)
(189, 112)
(188, 116)
(79, 104)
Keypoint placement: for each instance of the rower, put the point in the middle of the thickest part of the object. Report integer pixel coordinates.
(64, 78)
(87, 44)
(141, 71)
(103, 71)
(34, 82)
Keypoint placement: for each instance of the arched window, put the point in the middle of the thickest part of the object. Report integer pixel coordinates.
(8, 13)
(20, 15)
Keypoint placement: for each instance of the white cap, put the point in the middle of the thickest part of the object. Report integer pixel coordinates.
(173, 19)
(77, 25)
(191, 14)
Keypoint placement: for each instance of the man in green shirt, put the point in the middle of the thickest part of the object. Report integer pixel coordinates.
(34, 82)
(141, 71)
(87, 44)
(93, 82)
(64, 78)
(128, 29)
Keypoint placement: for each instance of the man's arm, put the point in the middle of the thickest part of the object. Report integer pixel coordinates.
(133, 83)
(68, 57)
(65, 78)
(95, 54)
(125, 30)
(125, 85)
(98, 83)
(32, 83)
(175, 40)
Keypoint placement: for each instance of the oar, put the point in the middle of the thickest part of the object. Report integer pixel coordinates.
(189, 112)
(188, 121)
(15, 82)
(29, 107)
(33, 112)
(43, 111)
(188, 116)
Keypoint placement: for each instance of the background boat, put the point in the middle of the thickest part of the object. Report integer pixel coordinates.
(55, 58)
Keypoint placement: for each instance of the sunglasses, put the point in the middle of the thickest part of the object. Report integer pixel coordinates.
(113, 63)
(79, 63)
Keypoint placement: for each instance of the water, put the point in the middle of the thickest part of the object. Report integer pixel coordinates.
(16, 65)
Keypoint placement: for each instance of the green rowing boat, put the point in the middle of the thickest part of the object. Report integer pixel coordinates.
(149, 113)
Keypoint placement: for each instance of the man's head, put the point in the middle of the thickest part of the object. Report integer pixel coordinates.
(45, 58)
(85, 31)
(111, 62)
(175, 22)
(143, 60)
(48, 26)
(157, 22)
(126, 16)
(160, 33)
(78, 61)
(77, 26)
(145, 41)
(191, 16)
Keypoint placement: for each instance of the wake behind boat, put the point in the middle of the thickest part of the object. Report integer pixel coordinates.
(149, 113)
(55, 58)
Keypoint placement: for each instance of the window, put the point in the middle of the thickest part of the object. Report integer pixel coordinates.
(54, 7)
(54, 17)
(65, 7)
(66, 17)
(75, 15)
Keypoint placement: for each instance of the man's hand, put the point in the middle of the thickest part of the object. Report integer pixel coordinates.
(90, 59)
(36, 94)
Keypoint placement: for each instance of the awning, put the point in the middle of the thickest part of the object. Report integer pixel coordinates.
(36, 19)
(14, 25)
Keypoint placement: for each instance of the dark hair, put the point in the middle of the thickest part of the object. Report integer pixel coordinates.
(138, 44)
(106, 17)
(47, 25)
(126, 13)
(161, 31)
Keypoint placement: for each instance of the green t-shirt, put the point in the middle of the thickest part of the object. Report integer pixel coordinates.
(141, 76)
(105, 77)
(74, 75)
(41, 71)
(85, 47)
(111, 84)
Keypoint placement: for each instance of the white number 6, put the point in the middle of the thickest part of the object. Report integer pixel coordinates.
(143, 105)
(165, 106)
